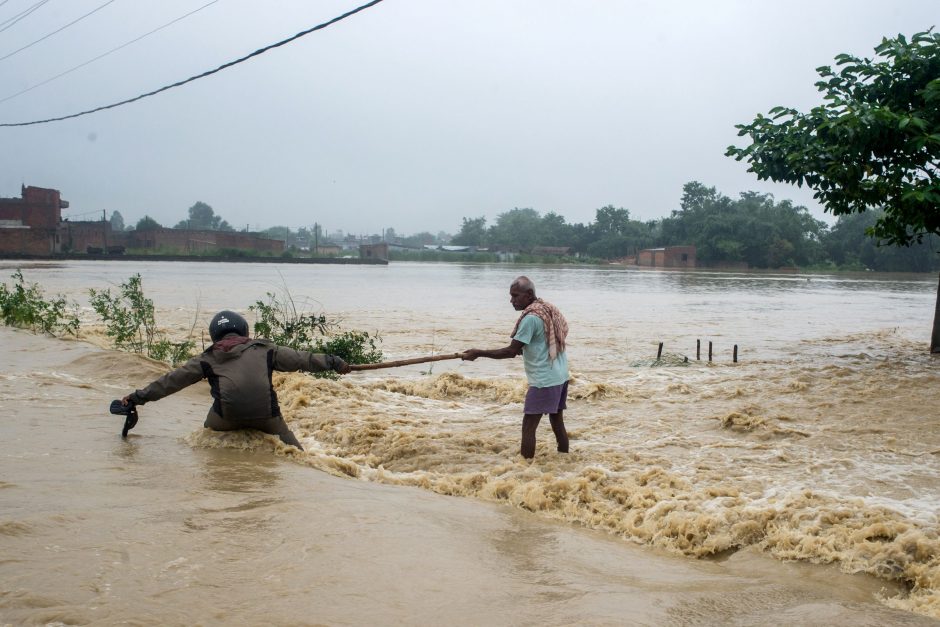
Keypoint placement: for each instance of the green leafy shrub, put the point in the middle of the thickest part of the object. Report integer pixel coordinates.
(355, 347)
(25, 306)
(130, 323)
(281, 321)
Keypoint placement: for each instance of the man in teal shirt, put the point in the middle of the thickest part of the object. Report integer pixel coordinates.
(539, 335)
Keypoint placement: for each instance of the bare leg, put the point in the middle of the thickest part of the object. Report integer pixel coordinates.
(558, 427)
(530, 422)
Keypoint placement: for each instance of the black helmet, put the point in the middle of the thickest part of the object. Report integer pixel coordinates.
(226, 322)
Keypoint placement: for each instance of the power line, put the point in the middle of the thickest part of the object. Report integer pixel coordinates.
(204, 74)
(44, 37)
(22, 15)
(101, 56)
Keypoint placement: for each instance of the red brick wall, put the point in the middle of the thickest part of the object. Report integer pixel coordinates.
(27, 241)
(12, 209)
(645, 258)
(186, 242)
(669, 257)
(38, 207)
(374, 251)
(679, 257)
(78, 236)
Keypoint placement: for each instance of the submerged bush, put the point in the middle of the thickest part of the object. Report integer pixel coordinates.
(355, 347)
(130, 323)
(25, 306)
(282, 322)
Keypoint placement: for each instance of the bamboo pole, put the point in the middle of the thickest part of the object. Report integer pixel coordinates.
(403, 362)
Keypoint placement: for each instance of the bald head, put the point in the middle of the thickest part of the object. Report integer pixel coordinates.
(524, 284)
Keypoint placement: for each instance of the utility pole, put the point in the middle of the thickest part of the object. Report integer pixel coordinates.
(316, 239)
(104, 230)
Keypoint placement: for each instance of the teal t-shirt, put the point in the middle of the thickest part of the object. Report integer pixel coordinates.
(539, 369)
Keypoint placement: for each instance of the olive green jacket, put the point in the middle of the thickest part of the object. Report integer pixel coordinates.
(240, 378)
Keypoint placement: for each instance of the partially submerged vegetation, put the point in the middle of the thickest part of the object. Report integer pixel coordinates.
(129, 318)
(284, 323)
(26, 306)
(130, 322)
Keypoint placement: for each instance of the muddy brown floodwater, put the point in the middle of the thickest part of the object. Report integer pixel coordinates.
(800, 485)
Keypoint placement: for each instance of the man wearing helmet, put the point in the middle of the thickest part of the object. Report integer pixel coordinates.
(239, 371)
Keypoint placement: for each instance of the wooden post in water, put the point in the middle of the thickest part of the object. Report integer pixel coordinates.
(659, 353)
(698, 349)
(709, 350)
(735, 353)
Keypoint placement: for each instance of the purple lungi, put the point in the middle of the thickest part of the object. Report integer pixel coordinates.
(550, 400)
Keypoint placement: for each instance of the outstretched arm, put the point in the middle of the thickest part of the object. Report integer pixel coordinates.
(170, 383)
(507, 352)
(290, 360)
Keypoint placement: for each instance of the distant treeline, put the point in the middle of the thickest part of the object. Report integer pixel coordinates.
(752, 229)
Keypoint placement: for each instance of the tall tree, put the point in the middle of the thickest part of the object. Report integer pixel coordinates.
(117, 221)
(147, 224)
(472, 233)
(616, 235)
(202, 217)
(874, 143)
(517, 228)
(555, 232)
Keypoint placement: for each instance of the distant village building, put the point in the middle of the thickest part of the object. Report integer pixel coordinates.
(33, 225)
(327, 249)
(30, 224)
(667, 257)
(374, 251)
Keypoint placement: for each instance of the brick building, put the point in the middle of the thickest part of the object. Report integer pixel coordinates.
(33, 225)
(668, 257)
(374, 251)
(30, 224)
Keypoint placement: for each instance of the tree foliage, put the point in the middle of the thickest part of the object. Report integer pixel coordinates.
(613, 234)
(117, 221)
(874, 143)
(753, 229)
(472, 233)
(147, 224)
(848, 246)
(517, 227)
(202, 217)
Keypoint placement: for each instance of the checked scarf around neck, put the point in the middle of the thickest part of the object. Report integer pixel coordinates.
(556, 327)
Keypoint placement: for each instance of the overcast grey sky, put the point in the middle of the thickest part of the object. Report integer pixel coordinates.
(414, 113)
